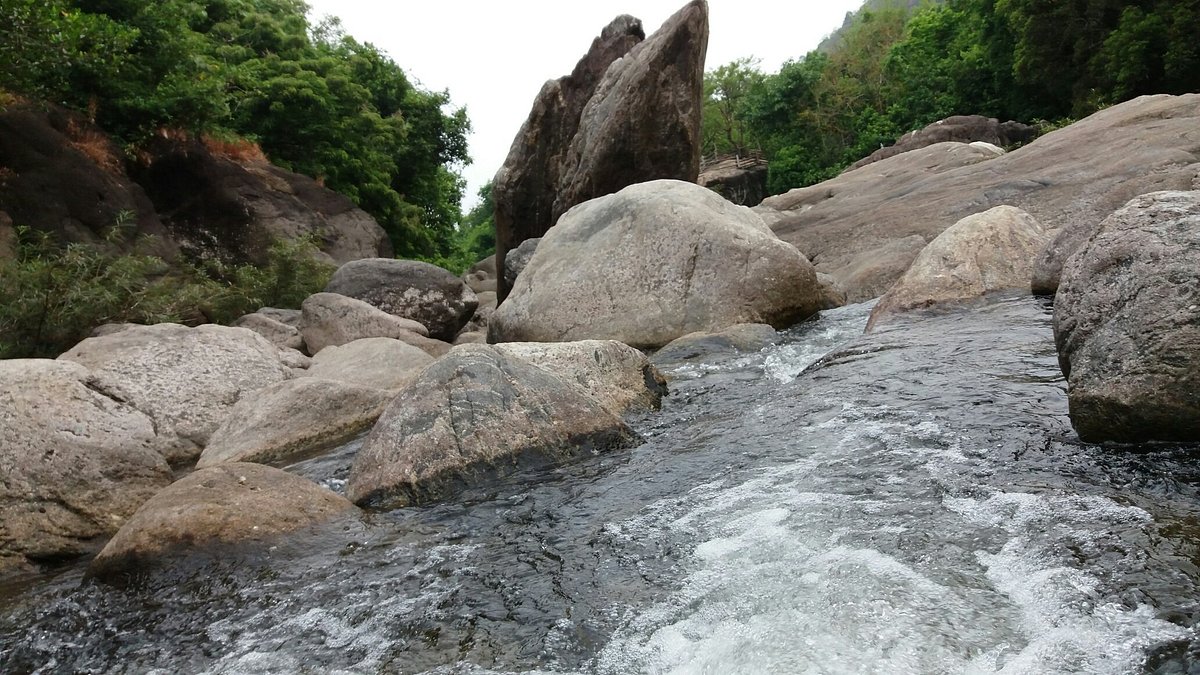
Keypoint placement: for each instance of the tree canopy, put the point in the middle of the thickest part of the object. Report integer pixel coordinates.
(316, 100)
(894, 68)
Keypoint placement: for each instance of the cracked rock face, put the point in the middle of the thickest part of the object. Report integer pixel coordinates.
(74, 463)
(1127, 323)
(415, 290)
(652, 263)
(470, 417)
(184, 379)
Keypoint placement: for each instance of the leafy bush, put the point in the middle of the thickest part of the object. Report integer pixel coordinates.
(52, 297)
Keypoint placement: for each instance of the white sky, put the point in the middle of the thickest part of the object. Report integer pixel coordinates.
(494, 56)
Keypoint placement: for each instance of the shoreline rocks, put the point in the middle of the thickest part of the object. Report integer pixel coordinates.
(230, 504)
(470, 417)
(74, 463)
(185, 379)
(988, 252)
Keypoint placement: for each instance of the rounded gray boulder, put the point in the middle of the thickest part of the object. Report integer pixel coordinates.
(1127, 323)
(415, 290)
(651, 263)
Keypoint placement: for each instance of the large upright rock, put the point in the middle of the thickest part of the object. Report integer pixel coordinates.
(985, 253)
(643, 122)
(471, 416)
(651, 263)
(185, 379)
(640, 121)
(1127, 323)
(862, 226)
(415, 290)
(74, 463)
(525, 187)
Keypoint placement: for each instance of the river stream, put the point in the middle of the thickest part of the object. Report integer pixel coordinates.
(911, 501)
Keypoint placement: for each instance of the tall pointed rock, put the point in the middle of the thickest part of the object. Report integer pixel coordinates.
(628, 113)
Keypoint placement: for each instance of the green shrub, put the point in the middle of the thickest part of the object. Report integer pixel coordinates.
(52, 297)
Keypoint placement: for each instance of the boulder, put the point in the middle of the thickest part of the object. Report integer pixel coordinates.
(185, 379)
(411, 289)
(473, 415)
(74, 462)
(744, 337)
(471, 338)
(518, 258)
(526, 185)
(219, 506)
(329, 319)
(234, 209)
(988, 133)
(290, 317)
(1064, 179)
(294, 359)
(278, 333)
(741, 180)
(293, 420)
(481, 277)
(483, 315)
(379, 363)
(985, 253)
(651, 263)
(1127, 323)
(831, 291)
(615, 374)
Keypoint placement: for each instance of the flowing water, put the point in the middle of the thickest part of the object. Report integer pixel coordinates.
(913, 501)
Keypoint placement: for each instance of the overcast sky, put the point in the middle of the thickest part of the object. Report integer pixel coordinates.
(493, 56)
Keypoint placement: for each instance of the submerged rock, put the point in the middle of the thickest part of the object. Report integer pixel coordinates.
(744, 337)
(1127, 323)
(74, 463)
(615, 374)
(293, 420)
(185, 379)
(651, 263)
(411, 289)
(980, 254)
(231, 504)
(471, 416)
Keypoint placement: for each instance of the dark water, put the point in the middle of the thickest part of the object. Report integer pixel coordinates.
(914, 503)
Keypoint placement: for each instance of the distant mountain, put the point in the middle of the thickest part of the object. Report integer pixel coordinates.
(835, 37)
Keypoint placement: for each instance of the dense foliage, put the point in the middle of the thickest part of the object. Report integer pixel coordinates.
(893, 69)
(52, 297)
(315, 99)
